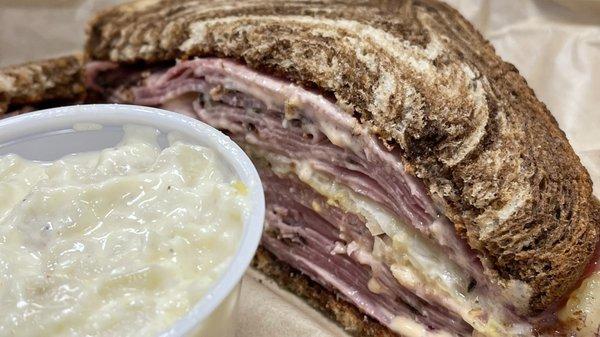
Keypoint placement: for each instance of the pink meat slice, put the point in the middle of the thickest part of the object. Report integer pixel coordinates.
(306, 239)
(251, 111)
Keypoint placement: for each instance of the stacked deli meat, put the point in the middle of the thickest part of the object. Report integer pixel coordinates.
(341, 206)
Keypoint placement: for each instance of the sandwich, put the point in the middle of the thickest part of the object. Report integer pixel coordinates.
(415, 185)
(39, 84)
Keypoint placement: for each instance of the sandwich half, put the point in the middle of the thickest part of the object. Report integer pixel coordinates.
(415, 185)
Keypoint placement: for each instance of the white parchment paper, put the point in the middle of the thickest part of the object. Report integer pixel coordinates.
(554, 44)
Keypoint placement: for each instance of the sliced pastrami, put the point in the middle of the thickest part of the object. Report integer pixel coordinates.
(250, 106)
(304, 231)
(332, 247)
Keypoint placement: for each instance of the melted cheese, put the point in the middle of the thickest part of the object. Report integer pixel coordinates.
(120, 242)
(582, 310)
(410, 328)
(415, 262)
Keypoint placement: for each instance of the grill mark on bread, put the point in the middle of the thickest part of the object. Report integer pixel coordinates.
(496, 155)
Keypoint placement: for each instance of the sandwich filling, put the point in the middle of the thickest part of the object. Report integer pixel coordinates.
(341, 206)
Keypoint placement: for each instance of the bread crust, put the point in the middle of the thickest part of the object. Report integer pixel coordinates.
(29, 84)
(491, 154)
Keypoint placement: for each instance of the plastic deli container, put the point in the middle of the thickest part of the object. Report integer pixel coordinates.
(50, 134)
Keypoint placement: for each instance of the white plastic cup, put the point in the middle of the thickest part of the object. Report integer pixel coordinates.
(49, 134)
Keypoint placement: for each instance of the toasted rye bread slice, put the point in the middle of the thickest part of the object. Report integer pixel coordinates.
(490, 153)
(41, 82)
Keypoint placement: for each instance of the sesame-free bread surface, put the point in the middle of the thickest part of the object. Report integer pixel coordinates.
(416, 72)
(41, 82)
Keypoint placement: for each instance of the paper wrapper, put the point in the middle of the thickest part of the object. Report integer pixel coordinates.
(554, 44)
